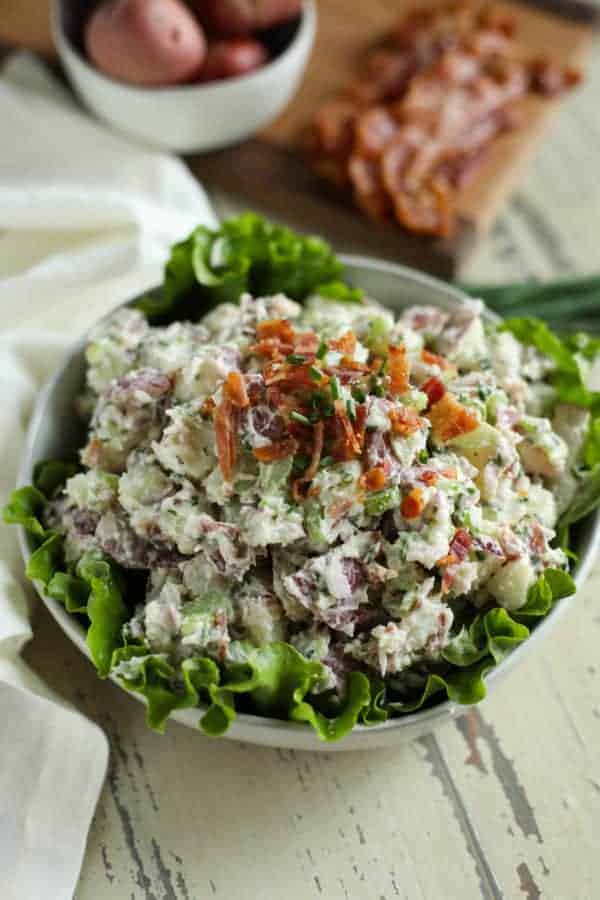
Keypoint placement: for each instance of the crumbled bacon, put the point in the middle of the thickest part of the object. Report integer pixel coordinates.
(399, 370)
(412, 504)
(279, 450)
(236, 388)
(346, 344)
(207, 407)
(317, 450)
(434, 359)
(449, 419)
(306, 343)
(459, 549)
(374, 479)
(435, 390)
(347, 442)
(275, 328)
(225, 421)
(404, 420)
(290, 376)
(271, 348)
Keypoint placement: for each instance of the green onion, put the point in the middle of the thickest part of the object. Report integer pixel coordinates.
(295, 359)
(359, 395)
(326, 461)
(378, 503)
(422, 456)
(300, 463)
(335, 388)
(298, 417)
(351, 409)
(315, 373)
(377, 389)
(322, 351)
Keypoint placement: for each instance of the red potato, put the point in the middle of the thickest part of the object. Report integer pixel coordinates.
(145, 42)
(237, 56)
(239, 17)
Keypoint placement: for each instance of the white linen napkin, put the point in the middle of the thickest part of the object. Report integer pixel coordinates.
(86, 220)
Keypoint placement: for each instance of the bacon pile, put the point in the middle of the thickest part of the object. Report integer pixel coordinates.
(411, 132)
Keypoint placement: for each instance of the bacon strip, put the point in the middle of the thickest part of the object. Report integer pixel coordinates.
(410, 132)
(313, 467)
(225, 420)
(236, 388)
(352, 441)
(399, 370)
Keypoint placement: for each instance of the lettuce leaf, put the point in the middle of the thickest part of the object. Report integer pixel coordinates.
(356, 700)
(488, 640)
(44, 561)
(340, 291)
(156, 679)
(25, 508)
(585, 501)
(247, 253)
(570, 356)
(552, 585)
(69, 590)
(276, 678)
(50, 474)
(105, 608)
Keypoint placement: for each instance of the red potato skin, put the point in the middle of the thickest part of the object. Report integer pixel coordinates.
(240, 17)
(145, 42)
(228, 58)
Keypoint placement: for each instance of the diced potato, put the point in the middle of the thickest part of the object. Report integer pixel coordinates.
(542, 451)
(510, 584)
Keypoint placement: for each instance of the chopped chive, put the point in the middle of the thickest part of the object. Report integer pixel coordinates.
(298, 417)
(315, 373)
(322, 351)
(359, 395)
(378, 503)
(335, 388)
(295, 359)
(300, 463)
(326, 461)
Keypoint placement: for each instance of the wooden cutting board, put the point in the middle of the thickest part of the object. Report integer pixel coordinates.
(270, 174)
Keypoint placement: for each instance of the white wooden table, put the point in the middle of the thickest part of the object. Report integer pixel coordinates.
(505, 803)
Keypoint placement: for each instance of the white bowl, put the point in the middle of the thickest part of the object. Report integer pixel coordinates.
(194, 117)
(54, 432)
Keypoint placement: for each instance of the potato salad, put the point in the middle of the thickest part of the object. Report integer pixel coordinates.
(327, 475)
(288, 501)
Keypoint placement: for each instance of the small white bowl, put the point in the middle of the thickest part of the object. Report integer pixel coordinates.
(193, 117)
